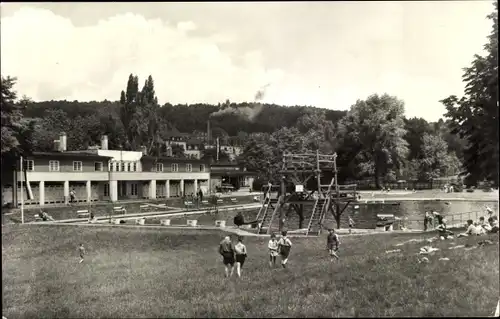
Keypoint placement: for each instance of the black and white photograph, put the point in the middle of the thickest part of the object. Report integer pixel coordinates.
(252, 159)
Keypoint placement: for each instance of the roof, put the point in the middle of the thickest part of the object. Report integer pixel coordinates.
(194, 141)
(175, 159)
(69, 154)
(232, 173)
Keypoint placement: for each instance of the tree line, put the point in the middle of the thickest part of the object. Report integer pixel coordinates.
(373, 139)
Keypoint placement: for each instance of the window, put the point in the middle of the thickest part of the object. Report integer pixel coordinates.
(202, 167)
(98, 166)
(106, 189)
(122, 167)
(175, 167)
(159, 167)
(30, 165)
(189, 167)
(77, 166)
(53, 166)
(134, 167)
(133, 189)
(110, 166)
(128, 167)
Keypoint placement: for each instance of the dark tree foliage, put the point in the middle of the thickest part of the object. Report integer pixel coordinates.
(474, 116)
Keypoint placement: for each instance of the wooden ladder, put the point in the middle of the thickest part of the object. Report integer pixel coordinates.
(267, 219)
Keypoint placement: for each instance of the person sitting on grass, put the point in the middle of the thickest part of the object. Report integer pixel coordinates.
(44, 216)
(443, 231)
(485, 225)
(471, 229)
(493, 224)
(226, 250)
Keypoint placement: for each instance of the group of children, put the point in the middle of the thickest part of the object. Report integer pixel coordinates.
(236, 254)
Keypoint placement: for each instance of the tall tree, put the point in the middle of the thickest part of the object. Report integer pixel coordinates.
(415, 129)
(436, 161)
(16, 130)
(475, 116)
(140, 115)
(374, 130)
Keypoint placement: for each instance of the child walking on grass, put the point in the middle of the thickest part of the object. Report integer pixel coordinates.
(81, 250)
(284, 246)
(332, 243)
(351, 224)
(241, 255)
(273, 250)
(226, 250)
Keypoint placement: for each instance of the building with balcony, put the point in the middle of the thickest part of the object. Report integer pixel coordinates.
(104, 175)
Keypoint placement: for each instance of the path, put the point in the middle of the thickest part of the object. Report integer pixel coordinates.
(176, 212)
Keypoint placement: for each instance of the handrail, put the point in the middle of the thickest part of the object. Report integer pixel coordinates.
(266, 202)
(274, 212)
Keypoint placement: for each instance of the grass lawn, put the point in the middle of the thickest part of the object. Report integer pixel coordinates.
(177, 273)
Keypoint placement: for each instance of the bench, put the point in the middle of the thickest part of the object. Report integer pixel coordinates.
(140, 221)
(141, 207)
(119, 210)
(220, 223)
(38, 218)
(82, 213)
(219, 201)
(205, 202)
(188, 203)
(165, 222)
(234, 200)
(192, 222)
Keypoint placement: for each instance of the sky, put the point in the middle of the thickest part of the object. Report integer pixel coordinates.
(323, 54)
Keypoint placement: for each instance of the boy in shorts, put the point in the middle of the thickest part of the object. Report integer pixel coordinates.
(241, 254)
(273, 250)
(226, 250)
(332, 243)
(81, 250)
(284, 246)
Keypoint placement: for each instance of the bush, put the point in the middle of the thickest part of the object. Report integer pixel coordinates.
(458, 185)
(257, 184)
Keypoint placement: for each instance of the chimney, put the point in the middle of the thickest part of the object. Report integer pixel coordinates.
(56, 145)
(208, 132)
(62, 142)
(104, 142)
(144, 150)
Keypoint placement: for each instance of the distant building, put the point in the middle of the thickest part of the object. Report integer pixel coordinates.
(102, 174)
(230, 173)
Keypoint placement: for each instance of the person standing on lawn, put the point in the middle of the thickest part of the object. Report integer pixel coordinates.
(284, 246)
(332, 243)
(241, 254)
(226, 250)
(273, 250)
(351, 224)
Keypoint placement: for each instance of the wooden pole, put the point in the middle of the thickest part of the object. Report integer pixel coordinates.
(318, 174)
(22, 192)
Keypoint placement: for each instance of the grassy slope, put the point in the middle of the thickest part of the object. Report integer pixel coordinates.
(176, 273)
